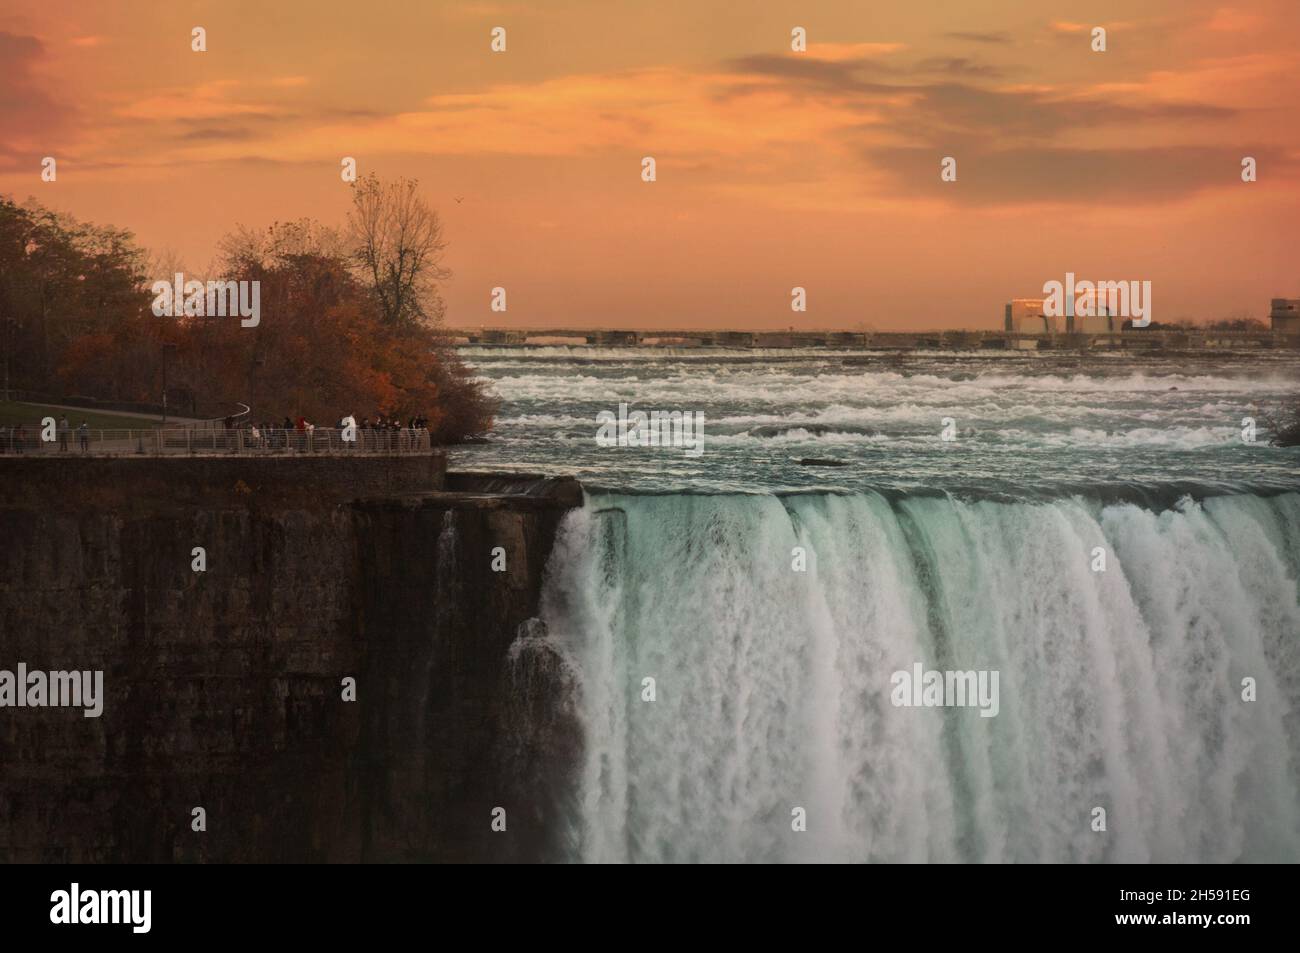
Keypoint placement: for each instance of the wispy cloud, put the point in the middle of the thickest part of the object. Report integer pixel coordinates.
(998, 37)
(32, 122)
(212, 100)
(1234, 20)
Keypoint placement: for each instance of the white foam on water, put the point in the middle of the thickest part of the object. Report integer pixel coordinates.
(1118, 689)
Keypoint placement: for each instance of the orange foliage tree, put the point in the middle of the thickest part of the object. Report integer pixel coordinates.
(76, 318)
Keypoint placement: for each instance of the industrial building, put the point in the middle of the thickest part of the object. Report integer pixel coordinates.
(1026, 316)
(1284, 315)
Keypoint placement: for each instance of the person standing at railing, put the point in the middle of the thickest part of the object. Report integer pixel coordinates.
(63, 432)
(83, 437)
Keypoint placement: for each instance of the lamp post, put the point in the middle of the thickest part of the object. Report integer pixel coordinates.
(9, 340)
(165, 348)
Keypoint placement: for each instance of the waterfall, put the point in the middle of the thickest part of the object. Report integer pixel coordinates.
(1121, 689)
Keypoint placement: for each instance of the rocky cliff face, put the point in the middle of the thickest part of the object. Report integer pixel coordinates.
(224, 688)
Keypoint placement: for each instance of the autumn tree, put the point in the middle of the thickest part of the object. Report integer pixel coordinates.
(324, 348)
(62, 281)
(397, 246)
(76, 318)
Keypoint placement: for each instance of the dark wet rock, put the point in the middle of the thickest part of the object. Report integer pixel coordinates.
(1288, 436)
(816, 430)
(223, 689)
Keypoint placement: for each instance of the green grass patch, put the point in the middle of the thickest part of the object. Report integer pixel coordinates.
(12, 413)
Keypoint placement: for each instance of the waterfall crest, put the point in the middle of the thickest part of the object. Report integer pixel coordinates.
(1119, 689)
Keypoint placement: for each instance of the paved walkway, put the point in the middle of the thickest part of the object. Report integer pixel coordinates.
(157, 418)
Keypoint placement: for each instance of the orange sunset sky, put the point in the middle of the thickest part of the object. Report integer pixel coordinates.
(775, 168)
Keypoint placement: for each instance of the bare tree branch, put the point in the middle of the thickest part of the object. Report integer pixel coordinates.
(397, 246)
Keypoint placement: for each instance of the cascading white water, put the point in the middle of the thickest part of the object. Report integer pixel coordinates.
(1119, 689)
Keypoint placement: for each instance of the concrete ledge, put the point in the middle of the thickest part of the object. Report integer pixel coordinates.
(122, 483)
(564, 492)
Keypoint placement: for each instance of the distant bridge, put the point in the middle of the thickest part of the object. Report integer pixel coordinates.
(876, 340)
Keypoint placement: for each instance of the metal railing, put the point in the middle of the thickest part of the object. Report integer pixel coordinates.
(199, 440)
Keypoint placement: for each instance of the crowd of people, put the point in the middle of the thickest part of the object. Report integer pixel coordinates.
(381, 433)
(17, 438)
